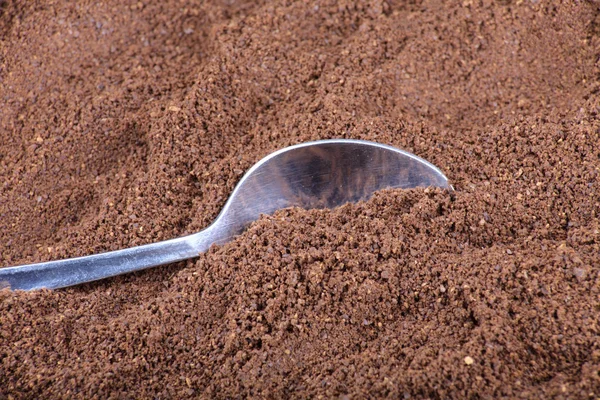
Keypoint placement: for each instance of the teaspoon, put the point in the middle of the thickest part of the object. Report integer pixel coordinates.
(321, 174)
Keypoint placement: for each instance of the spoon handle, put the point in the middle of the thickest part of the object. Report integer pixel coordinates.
(73, 271)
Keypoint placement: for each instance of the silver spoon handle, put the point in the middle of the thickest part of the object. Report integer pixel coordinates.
(73, 271)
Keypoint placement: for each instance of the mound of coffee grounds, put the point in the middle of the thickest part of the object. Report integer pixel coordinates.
(126, 123)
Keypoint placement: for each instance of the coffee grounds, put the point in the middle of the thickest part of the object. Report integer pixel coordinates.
(126, 123)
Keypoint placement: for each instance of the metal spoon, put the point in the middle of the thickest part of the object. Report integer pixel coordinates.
(322, 174)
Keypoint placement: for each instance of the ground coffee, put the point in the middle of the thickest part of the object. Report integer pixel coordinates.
(125, 123)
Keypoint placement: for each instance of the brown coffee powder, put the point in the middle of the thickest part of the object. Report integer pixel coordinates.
(124, 123)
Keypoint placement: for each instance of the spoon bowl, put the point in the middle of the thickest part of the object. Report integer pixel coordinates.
(321, 174)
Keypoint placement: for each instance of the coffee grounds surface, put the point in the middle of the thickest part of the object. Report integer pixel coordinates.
(125, 122)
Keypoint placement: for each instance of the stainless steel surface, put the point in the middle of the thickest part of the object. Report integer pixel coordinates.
(322, 174)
